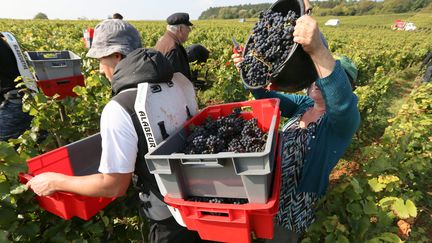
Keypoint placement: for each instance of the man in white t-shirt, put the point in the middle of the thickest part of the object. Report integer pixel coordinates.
(117, 45)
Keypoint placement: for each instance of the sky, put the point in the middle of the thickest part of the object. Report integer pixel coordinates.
(101, 9)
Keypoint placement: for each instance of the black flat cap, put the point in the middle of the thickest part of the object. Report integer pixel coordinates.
(179, 18)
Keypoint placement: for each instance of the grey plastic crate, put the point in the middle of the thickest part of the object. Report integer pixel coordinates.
(226, 174)
(54, 64)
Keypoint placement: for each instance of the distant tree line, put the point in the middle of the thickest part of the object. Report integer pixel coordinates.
(234, 12)
(40, 16)
(323, 8)
(365, 7)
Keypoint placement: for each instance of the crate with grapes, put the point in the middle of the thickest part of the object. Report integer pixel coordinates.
(225, 151)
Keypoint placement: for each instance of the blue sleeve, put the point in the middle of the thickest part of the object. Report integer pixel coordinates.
(341, 102)
(289, 103)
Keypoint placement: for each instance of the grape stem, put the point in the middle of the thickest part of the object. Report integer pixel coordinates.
(254, 54)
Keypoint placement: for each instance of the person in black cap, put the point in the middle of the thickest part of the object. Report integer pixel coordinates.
(170, 44)
(13, 121)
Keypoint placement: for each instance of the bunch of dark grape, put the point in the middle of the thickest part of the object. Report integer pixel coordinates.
(268, 47)
(237, 201)
(226, 134)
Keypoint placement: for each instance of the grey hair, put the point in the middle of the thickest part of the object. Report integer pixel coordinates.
(174, 28)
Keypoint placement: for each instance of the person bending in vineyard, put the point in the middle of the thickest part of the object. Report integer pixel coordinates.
(117, 45)
(198, 54)
(170, 44)
(319, 130)
(427, 62)
(13, 121)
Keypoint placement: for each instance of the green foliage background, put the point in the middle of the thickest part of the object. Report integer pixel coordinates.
(392, 147)
(324, 8)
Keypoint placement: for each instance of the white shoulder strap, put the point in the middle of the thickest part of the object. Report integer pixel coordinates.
(21, 62)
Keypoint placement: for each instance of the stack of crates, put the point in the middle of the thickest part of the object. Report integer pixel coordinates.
(56, 72)
(76, 159)
(242, 176)
(230, 222)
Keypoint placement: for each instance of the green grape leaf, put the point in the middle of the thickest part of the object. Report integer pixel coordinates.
(375, 185)
(342, 239)
(370, 208)
(387, 179)
(4, 236)
(387, 202)
(399, 209)
(389, 237)
(356, 186)
(4, 187)
(7, 217)
(355, 209)
(19, 189)
(412, 209)
(329, 239)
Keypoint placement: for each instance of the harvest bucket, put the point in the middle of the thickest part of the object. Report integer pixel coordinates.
(297, 71)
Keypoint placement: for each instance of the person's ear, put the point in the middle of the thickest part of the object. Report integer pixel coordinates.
(118, 56)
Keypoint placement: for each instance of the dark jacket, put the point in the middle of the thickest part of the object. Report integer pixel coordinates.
(8, 68)
(171, 48)
(427, 61)
(335, 131)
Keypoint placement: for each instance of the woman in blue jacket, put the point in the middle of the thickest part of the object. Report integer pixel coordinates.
(319, 130)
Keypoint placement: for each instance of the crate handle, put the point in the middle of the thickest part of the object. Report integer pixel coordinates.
(202, 163)
(220, 215)
(243, 108)
(58, 64)
(24, 177)
(61, 82)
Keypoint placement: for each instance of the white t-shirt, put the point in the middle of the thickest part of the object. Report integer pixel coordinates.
(119, 140)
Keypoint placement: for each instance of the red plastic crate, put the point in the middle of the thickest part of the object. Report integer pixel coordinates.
(67, 205)
(61, 86)
(78, 158)
(237, 221)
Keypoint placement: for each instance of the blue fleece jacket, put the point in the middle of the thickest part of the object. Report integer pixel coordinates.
(335, 131)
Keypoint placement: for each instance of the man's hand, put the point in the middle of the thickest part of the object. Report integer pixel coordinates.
(44, 184)
(237, 59)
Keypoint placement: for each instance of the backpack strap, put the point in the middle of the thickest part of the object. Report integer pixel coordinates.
(151, 199)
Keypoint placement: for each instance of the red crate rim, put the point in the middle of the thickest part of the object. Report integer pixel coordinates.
(77, 77)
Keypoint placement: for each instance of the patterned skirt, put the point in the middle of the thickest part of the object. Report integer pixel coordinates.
(296, 209)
